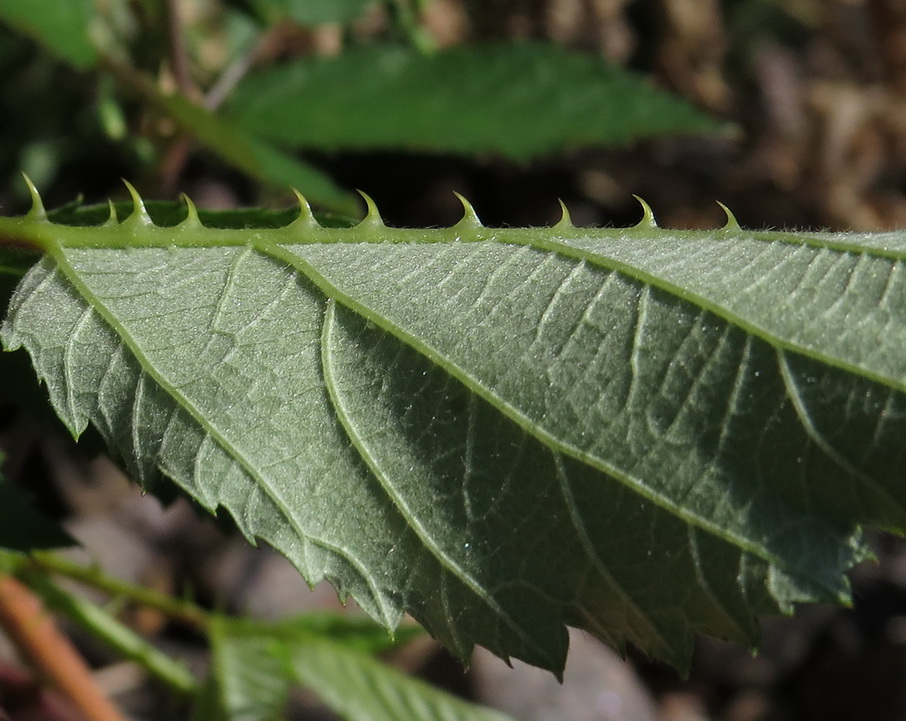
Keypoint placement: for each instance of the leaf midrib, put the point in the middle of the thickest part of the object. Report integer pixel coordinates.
(372, 230)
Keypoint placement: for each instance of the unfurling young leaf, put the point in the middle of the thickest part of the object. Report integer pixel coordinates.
(641, 432)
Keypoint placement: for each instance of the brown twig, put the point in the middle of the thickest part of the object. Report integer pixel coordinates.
(178, 152)
(49, 652)
(179, 59)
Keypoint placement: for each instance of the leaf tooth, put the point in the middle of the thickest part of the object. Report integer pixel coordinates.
(372, 217)
(732, 223)
(191, 220)
(648, 221)
(469, 216)
(139, 215)
(306, 219)
(565, 222)
(111, 218)
(36, 212)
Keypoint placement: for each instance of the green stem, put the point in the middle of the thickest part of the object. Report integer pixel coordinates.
(119, 637)
(184, 611)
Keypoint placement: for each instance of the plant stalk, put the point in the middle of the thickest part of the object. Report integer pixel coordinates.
(184, 611)
(50, 653)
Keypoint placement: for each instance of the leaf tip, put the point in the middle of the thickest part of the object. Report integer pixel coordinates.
(469, 216)
(372, 216)
(565, 221)
(732, 223)
(648, 221)
(139, 214)
(191, 220)
(37, 211)
(305, 219)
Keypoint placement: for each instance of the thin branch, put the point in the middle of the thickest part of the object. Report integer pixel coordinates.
(184, 611)
(179, 59)
(49, 651)
(118, 636)
(234, 72)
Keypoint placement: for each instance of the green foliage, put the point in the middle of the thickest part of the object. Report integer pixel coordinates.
(255, 664)
(116, 635)
(471, 99)
(63, 27)
(312, 12)
(647, 434)
(464, 100)
(361, 689)
(498, 430)
(250, 153)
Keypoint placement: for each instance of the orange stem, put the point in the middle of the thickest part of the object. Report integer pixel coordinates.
(50, 653)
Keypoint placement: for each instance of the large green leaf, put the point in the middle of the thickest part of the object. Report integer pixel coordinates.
(641, 432)
(518, 100)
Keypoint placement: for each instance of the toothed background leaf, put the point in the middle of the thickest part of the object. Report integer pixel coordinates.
(462, 100)
(254, 666)
(500, 431)
(359, 688)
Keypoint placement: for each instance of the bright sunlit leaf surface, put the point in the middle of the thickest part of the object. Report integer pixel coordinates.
(645, 433)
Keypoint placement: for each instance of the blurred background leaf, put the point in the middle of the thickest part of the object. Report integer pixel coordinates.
(255, 665)
(310, 12)
(519, 100)
(62, 27)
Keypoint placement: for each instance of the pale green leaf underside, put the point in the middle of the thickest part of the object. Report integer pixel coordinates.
(645, 433)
